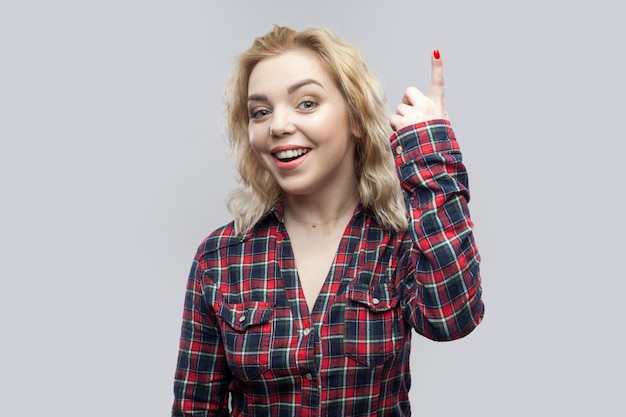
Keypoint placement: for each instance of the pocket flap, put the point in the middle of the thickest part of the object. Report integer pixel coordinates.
(380, 298)
(243, 315)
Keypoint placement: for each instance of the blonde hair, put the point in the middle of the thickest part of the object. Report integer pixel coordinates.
(378, 183)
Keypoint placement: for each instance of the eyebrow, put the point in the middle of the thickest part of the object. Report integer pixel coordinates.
(291, 89)
(301, 84)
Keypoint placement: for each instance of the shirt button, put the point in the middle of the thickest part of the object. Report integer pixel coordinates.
(309, 376)
(242, 318)
(306, 331)
(399, 149)
(375, 300)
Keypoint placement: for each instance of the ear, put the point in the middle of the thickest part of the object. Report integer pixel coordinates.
(356, 132)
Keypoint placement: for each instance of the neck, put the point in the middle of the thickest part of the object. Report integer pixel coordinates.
(320, 213)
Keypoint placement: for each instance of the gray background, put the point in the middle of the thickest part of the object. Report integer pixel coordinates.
(113, 167)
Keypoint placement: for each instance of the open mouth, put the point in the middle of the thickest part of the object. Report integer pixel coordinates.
(290, 155)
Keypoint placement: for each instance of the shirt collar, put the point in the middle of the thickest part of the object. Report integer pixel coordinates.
(278, 211)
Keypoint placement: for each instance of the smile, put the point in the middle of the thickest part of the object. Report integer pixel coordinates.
(291, 154)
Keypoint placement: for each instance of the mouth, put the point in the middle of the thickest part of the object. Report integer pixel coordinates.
(291, 154)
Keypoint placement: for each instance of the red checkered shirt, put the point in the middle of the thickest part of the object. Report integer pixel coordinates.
(249, 345)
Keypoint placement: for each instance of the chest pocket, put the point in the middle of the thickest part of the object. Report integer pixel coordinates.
(247, 335)
(372, 328)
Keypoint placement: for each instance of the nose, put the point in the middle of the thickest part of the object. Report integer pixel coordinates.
(281, 123)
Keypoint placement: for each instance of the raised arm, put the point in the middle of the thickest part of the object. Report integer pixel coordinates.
(441, 289)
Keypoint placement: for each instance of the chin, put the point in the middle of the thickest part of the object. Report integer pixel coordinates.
(296, 189)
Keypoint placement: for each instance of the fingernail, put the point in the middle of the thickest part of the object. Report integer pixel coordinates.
(436, 54)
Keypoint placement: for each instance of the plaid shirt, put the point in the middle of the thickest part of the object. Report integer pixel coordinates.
(247, 329)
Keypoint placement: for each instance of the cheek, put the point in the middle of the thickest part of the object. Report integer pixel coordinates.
(338, 123)
(258, 145)
(254, 137)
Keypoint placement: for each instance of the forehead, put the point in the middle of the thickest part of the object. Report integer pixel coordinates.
(287, 68)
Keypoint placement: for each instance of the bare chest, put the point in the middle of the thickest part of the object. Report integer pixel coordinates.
(314, 256)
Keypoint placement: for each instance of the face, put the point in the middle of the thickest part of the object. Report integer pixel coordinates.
(310, 147)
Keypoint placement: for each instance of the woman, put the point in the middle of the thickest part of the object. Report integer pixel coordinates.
(343, 241)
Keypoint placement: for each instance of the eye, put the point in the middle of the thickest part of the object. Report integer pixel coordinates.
(259, 113)
(307, 105)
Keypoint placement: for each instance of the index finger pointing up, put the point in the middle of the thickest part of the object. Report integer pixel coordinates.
(436, 81)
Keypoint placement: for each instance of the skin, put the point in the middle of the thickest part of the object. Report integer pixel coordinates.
(292, 95)
(417, 107)
(295, 106)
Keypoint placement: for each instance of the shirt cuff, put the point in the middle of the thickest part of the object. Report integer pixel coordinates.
(424, 138)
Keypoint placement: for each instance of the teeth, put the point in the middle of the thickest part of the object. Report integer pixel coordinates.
(290, 154)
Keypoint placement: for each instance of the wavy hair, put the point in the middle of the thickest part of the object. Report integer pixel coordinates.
(378, 184)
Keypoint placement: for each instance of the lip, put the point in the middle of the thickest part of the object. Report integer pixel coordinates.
(290, 165)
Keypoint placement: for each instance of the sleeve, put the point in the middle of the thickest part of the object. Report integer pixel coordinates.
(441, 284)
(202, 374)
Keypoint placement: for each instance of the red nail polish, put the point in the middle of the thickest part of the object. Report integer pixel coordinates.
(436, 54)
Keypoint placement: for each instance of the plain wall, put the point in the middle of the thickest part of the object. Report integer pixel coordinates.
(114, 166)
